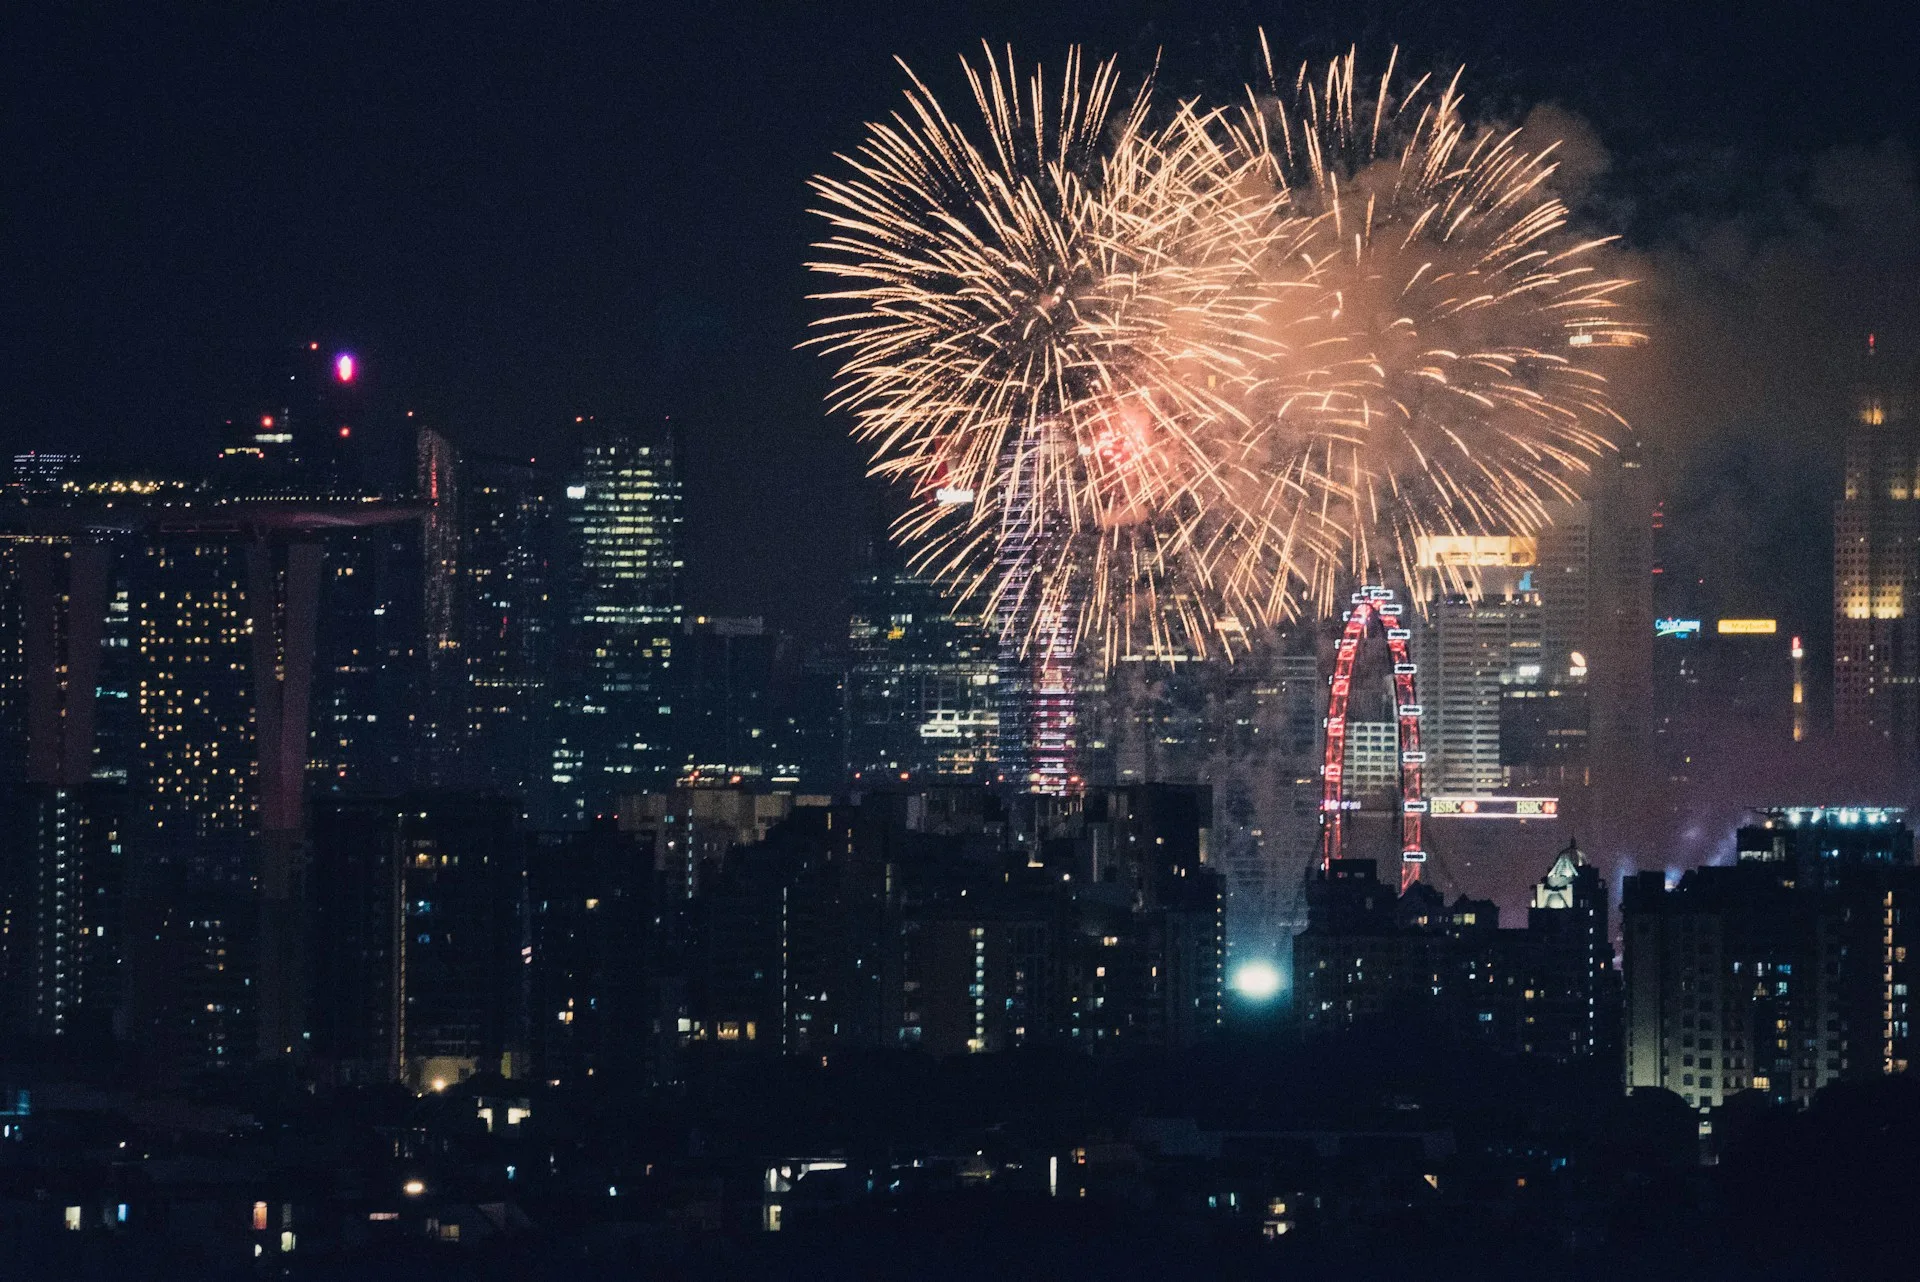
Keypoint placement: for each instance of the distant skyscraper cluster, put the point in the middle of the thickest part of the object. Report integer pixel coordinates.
(295, 753)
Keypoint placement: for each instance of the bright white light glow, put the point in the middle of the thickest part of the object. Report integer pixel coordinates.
(1256, 980)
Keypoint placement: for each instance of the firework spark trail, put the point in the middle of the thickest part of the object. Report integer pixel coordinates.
(1453, 397)
(1152, 377)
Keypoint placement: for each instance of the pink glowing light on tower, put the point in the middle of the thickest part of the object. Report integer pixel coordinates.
(345, 367)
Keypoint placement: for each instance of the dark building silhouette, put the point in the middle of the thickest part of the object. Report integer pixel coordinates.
(596, 1004)
(1373, 959)
(421, 930)
(956, 922)
(491, 620)
(725, 702)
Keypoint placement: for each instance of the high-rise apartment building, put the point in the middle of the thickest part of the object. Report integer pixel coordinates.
(190, 657)
(961, 921)
(1876, 573)
(1373, 957)
(1783, 972)
(623, 614)
(421, 908)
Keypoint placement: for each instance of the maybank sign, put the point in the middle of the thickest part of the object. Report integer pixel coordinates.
(1747, 627)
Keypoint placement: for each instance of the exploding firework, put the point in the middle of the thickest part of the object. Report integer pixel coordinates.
(1151, 377)
(1049, 323)
(1442, 381)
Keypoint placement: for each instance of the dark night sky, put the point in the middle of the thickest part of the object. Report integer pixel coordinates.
(519, 214)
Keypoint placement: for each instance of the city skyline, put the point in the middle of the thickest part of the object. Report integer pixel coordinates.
(715, 640)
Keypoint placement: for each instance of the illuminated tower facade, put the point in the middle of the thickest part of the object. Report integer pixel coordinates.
(622, 513)
(1037, 627)
(1876, 628)
(191, 684)
(1470, 651)
(922, 683)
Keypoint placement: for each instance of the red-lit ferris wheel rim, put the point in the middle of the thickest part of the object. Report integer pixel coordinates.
(1374, 604)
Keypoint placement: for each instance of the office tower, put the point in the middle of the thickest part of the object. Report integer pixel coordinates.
(1876, 548)
(508, 645)
(1781, 973)
(1545, 723)
(1562, 575)
(1620, 661)
(622, 509)
(724, 715)
(810, 714)
(1720, 681)
(921, 685)
(420, 904)
(1469, 651)
(437, 476)
(490, 620)
(370, 664)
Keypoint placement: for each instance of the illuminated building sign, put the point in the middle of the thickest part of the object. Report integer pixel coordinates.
(1476, 550)
(953, 496)
(1479, 807)
(1676, 627)
(1747, 627)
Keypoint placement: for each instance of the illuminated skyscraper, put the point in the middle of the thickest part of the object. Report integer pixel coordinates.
(1469, 652)
(1876, 573)
(191, 682)
(921, 686)
(622, 512)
